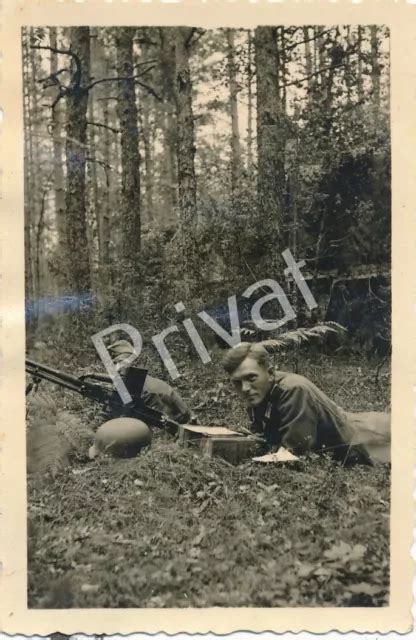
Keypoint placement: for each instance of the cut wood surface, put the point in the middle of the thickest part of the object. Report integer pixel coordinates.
(212, 431)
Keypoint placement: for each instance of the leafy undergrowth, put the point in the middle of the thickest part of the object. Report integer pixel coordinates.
(173, 529)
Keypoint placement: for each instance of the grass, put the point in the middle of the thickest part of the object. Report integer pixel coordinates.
(172, 529)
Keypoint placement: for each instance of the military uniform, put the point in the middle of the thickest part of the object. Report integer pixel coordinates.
(157, 394)
(298, 416)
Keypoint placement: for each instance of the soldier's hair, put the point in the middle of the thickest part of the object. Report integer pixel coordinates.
(235, 356)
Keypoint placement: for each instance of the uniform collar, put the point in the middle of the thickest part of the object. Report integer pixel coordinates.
(264, 409)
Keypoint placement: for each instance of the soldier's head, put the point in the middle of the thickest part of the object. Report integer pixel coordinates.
(249, 368)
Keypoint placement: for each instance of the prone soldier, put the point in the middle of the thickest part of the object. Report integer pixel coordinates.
(292, 412)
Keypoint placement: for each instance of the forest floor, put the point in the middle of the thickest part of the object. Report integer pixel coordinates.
(172, 529)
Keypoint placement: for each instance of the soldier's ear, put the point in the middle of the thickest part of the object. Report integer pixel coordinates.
(270, 371)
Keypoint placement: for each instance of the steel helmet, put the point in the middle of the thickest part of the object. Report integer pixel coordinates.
(121, 437)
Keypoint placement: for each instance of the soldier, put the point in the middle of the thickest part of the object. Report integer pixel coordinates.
(290, 411)
(126, 437)
(156, 393)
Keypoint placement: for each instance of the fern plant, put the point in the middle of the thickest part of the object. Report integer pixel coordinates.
(297, 337)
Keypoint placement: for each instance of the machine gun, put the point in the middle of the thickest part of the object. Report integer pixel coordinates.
(103, 392)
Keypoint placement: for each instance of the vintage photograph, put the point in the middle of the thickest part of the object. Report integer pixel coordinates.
(207, 233)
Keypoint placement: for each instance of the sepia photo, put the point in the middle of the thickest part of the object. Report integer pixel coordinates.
(208, 303)
(166, 169)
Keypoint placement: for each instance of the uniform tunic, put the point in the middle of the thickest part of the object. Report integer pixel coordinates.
(298, 416)
(157, 394)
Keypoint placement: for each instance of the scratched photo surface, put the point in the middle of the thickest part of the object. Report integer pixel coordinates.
(207, 272)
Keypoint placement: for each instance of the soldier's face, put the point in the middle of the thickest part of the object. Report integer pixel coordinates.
(252, 381)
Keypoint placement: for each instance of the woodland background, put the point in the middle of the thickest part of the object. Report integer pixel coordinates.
(166, 164)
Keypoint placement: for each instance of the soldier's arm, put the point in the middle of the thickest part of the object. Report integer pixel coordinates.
(178, 410)
(297, 420)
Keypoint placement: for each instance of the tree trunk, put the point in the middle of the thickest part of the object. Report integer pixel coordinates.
(281, 50)
(308, 65)
(236, 161)
(375, 70)
(347, 68)
(250, 104)
(316, 53)
(360, 86)
(105, 210)
(148, 158)
(78, 268)
(115, 198)
(93, 217)
(35, 181)
(146, 127)
(130, 159)
(322, 57)
(29, 290)
(185, 152)
(328, 79)
(169, 172)
(270, 140)
(58, 117)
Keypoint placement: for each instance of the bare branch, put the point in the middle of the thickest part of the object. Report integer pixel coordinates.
(115, 79)
(198, 33)
(100, 162)
(297, 44)
(150, 90)
(53, 77)
(316, 73)
(104, 126)
(40, 225)
(144, 41)
(118, 79)
(142, 64)
(107, 167)
(61, 139)
(107, 98)
(64, 52)
(61, 94)
(190, 35)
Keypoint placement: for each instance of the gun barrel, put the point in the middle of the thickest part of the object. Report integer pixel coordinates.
(83, 387)
(33, 368)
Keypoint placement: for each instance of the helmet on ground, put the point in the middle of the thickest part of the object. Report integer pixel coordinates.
(121, 437)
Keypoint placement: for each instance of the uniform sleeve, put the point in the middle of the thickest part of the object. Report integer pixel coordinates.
(159, 395)
(176, 407)
(297, 420)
